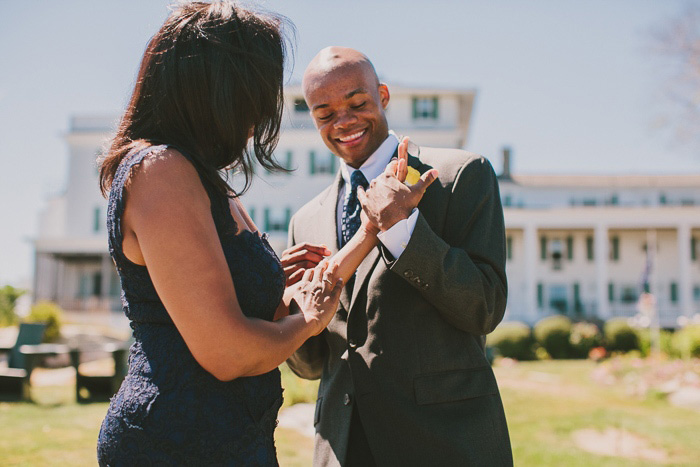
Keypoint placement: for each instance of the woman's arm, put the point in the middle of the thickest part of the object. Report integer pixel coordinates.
(168, 227)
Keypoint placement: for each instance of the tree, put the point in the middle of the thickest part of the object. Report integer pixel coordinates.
(8, 299)
(677, 41)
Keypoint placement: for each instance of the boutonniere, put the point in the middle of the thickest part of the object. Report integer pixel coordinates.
(412, 176)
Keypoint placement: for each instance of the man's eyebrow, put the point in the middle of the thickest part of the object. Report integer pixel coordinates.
(347, 96)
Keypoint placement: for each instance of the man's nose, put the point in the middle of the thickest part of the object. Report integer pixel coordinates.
(344, 119)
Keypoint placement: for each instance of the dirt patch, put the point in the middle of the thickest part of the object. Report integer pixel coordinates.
(617, 443)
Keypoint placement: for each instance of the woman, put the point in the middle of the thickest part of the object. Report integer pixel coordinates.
(200, 285)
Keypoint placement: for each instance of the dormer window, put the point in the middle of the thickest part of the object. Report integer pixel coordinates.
(425, 108)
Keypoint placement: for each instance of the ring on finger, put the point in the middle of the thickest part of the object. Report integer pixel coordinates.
(325, 279)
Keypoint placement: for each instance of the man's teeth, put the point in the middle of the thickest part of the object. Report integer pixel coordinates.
(345, 139)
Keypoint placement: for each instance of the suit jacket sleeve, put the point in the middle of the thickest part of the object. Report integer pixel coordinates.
(462, 271)
(307, 361)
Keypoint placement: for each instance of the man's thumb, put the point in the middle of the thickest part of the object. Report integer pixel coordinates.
(426, 179)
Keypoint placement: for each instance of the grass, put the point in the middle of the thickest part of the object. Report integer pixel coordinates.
(546, 402)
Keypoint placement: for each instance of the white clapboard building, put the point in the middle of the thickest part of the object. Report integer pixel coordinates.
(576, 244)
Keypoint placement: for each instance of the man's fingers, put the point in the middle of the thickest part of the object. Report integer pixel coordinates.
(361, 196)
(391, 167)
(402, 162)
(425, 180)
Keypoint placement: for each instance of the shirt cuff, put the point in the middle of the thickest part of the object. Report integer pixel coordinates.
(396, 238)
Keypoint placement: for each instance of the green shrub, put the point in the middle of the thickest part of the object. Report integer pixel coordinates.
(665, 342)
(512, 340)
(8, 299)
(584, 337)
(619, 336)
(49, 313)
(553, 334)
(687, 341)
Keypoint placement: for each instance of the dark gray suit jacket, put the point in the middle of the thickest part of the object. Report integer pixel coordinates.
(407, 345)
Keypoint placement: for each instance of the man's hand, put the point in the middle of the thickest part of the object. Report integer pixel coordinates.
(388, 199)
(299, 258)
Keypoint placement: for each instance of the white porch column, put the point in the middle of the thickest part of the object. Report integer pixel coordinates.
(685, 286)
(530, 247)
(600, 247)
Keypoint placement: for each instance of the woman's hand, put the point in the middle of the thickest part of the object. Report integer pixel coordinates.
(318, 295)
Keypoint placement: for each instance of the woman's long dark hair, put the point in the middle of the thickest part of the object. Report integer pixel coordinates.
(213, 72)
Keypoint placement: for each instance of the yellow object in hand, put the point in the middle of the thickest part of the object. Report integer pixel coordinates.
(412, 176)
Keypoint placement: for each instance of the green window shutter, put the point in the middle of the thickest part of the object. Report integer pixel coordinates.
(674, 292)
(414, 102)
(543, 248)
(290, 160)
(312, 162)
(287, 218)
(509, 247)
(611, 292)
(570, 247)
(615, 251)
(267, 220)
(589, 248)
(251, 213)
(693, 248)
(96, 220)
(540, 295)
(334, 163)
(435, 108)
(577, 298)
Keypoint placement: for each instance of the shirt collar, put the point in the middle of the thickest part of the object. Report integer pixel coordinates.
(376, 163)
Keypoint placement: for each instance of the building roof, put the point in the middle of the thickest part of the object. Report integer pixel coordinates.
(609, 181)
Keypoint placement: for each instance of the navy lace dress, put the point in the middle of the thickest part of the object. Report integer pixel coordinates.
(169, 410)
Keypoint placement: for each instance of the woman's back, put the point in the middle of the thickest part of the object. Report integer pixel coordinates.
(169, 408)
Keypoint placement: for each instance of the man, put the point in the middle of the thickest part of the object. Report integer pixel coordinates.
(404, 379)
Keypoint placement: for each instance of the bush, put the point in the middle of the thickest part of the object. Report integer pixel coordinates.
(49, 313)
(665, 342)
(553, 335)
(8, 299)
(619, 336)
(512, 340)
(687, 341)
(583, 338)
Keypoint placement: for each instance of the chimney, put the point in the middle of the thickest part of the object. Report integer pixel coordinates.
(506, 162)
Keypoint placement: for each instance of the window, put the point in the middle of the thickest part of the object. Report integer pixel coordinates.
(628, 294)
(589, 248)
(251, 213)
(693, 248)
(509, 247)
(696, 293)
(611, 292)
(288, 160)
(96, 222)
(300, 105)
(277, 223)
(507, 201)
(322, 165)
(614, 200)
(570, 248)
(540, 295)
(425, 108)
(662, 198)
(615, 248)
(558, 299)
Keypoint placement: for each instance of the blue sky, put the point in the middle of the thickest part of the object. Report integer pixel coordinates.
(572, 86)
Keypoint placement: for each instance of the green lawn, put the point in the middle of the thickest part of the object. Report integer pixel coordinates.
(546, 402)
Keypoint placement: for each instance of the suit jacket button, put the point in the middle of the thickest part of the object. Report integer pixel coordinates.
(346, 399)
(425, 286)
(417, 280)
(408, 273)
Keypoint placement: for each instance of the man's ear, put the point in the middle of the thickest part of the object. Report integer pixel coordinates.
(384, 95)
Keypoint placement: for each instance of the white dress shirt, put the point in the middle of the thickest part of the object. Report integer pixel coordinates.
(395, 238)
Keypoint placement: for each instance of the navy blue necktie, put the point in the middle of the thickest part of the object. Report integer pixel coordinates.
(351, 209)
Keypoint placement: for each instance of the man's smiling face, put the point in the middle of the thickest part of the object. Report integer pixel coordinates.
(347, 104)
